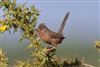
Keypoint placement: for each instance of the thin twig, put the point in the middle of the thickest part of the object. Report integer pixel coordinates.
(87, 65)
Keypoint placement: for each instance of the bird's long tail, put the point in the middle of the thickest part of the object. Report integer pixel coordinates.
(63, 23)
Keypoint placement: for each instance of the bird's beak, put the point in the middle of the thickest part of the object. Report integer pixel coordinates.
(64, 37)
(36, 30)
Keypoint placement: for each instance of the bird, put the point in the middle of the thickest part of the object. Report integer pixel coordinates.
(50, 37)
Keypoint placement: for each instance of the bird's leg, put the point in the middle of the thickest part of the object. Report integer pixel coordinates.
(50, 49)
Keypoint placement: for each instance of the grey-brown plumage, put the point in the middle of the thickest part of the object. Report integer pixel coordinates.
(50, 37)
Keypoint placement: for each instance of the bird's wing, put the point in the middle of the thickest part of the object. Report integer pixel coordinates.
(55, 35)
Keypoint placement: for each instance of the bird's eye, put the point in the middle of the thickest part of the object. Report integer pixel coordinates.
(45, 30)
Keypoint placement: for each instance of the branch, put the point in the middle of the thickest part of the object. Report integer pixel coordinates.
(87, 65)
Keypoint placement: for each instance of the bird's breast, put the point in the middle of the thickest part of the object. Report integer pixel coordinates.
(44, 36)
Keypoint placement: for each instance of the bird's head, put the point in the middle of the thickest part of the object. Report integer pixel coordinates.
(41, 26)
